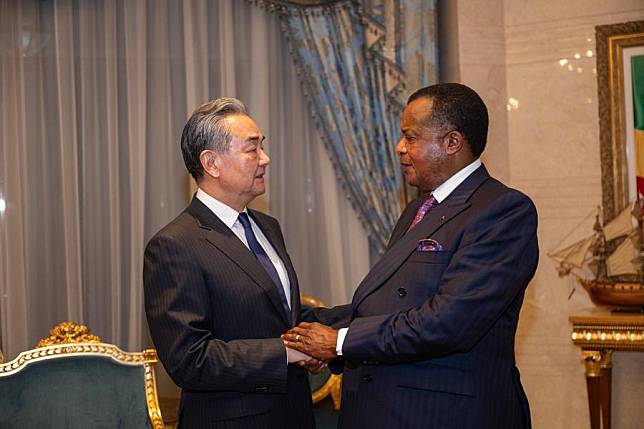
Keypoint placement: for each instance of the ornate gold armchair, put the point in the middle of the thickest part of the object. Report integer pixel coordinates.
(324, 384)
(73, 380)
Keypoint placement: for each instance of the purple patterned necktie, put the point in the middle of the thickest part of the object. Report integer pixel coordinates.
(424, 208)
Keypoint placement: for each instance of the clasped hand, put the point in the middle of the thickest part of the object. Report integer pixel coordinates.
(313, 339)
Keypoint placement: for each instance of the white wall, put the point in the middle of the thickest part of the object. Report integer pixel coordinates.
(548, 147)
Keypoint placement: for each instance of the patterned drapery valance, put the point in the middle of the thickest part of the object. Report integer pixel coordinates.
(357, 61)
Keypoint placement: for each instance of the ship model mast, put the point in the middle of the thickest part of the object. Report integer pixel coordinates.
(598, 249)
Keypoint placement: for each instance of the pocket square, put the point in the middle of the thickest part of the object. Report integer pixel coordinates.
(429, 245)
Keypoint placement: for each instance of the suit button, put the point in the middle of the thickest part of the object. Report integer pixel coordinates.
(402, 291)
(300, 378)
(366, 378)
(262, 389)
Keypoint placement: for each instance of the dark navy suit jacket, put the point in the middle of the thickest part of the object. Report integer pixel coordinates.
(431, 338)
(216, 318)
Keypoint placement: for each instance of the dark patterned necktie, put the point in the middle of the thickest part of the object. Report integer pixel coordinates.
(263, 259)
(424, 208)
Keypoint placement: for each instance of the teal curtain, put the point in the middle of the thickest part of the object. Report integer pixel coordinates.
(356, 61)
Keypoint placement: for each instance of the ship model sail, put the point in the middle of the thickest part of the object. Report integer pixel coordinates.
(609, 264)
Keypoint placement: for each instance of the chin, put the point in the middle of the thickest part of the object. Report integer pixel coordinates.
(259, 190)
(411, 181)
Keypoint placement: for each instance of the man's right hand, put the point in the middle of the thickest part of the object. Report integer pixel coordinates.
(305, 361)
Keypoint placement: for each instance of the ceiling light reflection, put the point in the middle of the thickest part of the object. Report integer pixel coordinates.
(513, 104)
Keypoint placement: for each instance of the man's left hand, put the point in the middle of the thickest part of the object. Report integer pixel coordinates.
(314, 339)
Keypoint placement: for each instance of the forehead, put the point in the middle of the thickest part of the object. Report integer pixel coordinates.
(243, 127)
(416, 113)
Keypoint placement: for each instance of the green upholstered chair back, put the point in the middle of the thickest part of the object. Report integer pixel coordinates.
(84, 385)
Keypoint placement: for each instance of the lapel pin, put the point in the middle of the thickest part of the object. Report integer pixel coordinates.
(443, 217)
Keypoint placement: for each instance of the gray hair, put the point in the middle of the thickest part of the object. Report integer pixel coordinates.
(206, 129)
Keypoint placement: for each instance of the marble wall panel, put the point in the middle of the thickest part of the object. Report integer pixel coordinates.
(554, 157)
(481, 54)
(533, 63)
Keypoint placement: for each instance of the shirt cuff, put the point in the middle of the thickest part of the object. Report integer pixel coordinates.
(342, 333)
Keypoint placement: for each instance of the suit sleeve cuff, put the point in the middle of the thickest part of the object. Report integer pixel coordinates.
(342, 333)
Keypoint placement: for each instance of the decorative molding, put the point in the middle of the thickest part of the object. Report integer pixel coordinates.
(620, 337)
(77, 349)
(151, 396)
(310, 301)
(592, 360)
(333, 388)
(68, 332)
(608, 331)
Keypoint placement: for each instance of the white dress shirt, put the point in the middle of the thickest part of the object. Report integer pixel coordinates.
(440, 193)
(229, 217)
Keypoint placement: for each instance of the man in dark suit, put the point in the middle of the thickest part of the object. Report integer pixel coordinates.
(220, 288)
(430, 342)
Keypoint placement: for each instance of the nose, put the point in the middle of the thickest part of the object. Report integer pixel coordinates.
(401, 147)
(264, 159)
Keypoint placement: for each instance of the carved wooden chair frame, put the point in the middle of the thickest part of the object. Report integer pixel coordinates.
(333, 386)
(69, 339)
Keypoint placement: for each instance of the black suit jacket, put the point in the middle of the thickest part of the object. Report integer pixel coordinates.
(215, 317)
(431, 338)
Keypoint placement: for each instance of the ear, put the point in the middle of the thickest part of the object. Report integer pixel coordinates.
(455, 142)
(211, 162)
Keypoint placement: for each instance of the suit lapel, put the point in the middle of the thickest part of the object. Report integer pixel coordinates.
(404, 221)
(400, 249)
(220, 236)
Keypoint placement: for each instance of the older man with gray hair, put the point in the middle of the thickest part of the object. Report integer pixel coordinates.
(220, 287)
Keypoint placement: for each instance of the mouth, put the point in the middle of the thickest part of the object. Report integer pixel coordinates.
(260, 176)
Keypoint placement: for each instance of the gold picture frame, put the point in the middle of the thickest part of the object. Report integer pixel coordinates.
(611, 41)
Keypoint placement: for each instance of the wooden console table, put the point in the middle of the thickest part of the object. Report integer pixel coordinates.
(599, 333)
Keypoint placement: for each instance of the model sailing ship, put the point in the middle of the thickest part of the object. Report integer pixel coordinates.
(610, 263)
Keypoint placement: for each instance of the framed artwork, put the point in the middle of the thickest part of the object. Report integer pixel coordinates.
(620, 86)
